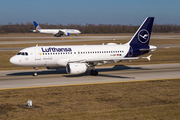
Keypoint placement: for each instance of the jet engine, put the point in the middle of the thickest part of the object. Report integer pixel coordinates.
(76, 68)
(67, 34)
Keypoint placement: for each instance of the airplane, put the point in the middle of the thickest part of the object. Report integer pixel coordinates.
(55, 32)
(79, 58)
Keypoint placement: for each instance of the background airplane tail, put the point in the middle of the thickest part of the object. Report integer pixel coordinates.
(37, 27)
(142, 35)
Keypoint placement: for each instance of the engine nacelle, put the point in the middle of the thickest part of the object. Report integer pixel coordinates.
(67, 34)
(76, 68)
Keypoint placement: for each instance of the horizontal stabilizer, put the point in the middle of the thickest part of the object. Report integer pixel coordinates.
(148, 57)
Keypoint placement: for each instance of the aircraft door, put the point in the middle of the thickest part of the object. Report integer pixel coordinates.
(37, 54)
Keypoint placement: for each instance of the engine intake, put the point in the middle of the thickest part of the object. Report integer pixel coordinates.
(76, 68)
(67, 34)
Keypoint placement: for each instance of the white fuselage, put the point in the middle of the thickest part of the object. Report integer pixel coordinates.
(61, 55)
(55, 31)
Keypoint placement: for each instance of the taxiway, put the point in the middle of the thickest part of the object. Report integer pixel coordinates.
(24, 78)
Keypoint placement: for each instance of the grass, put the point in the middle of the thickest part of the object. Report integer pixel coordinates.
(122, 101)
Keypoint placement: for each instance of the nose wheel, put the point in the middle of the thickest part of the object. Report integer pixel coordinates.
(94, 72)
(35, 72)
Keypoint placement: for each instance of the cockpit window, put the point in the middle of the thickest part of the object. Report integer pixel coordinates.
(19, 53)
(23, 53)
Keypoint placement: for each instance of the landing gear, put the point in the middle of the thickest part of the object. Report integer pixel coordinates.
(94, 72)
(57, 35)
(35, 72)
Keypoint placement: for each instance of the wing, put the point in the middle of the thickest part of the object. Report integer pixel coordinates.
(107, 60)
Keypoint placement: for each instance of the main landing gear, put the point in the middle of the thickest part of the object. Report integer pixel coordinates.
(57, 35)
(94, 72)
(35, 72)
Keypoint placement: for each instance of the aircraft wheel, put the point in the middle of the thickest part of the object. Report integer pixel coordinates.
(35, 74)
(94, 72)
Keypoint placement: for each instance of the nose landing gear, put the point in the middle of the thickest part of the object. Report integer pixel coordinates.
(35, 72)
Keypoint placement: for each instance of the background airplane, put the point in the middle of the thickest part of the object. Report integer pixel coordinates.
(55, 32)
(79, 58)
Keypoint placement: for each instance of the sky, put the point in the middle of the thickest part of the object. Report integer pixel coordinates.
(65, 12)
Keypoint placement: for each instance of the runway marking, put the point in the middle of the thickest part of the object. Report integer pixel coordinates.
(89, 83)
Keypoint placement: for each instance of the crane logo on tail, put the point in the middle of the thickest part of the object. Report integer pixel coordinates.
(143, 36)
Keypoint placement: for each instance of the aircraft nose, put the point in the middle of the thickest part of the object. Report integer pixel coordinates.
(14, 60)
